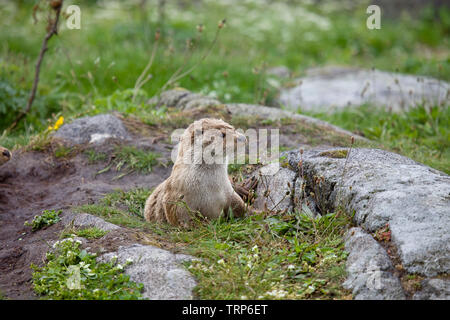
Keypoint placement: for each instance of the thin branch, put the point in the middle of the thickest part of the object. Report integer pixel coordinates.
(53, 31)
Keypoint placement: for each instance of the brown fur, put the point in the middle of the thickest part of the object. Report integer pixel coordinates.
(202, 187)
(5, 155)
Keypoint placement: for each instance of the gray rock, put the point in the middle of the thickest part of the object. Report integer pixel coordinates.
(181, 104)
(332, 88)
(272, 189)
(85, 220)
(369, 269)
(158, 270)
(185, 100)
(279, 72)
(434, 289)
(263, 112)
(303, 202)
(201, 102)
(94, 129)
(170, 98)
(152, 101)
(384, 187)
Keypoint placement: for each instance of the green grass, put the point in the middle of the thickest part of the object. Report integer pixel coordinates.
(62, 151)
(421, 133)
(88, 233)
(128, 159)
(288, 256)
(135, 159)
(292, 256)
(95, 157)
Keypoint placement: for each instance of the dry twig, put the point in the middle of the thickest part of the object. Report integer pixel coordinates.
(52, 30)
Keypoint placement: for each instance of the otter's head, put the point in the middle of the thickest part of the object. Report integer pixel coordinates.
(5, 155)
(209, 141)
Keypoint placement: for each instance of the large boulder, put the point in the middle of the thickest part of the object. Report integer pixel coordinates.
(333, 88)
(93, 129)
(386, 188)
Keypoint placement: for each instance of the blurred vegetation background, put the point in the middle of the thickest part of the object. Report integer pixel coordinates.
(90, 70)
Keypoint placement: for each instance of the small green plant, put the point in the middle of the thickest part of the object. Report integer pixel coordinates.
(135, 159)
(62, 151)
(88, 233)
(95, 157)
(47, 218)
(73, 273)
(132, 159)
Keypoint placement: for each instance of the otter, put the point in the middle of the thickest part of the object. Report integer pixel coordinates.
(198, 185)
(5, 155)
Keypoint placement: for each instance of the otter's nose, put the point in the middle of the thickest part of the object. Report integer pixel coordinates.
(6, 153)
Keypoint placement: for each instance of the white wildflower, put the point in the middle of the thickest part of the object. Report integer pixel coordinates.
(277, 293)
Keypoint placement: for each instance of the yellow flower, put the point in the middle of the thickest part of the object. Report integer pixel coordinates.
(58, 124)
